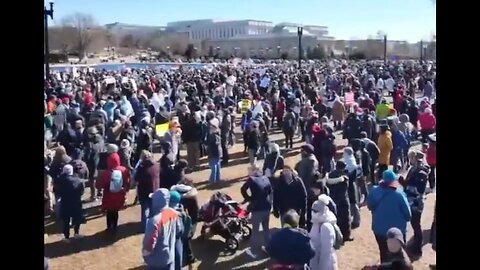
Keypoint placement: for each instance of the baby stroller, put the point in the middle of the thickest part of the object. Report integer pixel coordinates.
(225, 217)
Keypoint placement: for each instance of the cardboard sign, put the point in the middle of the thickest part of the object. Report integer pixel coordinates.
(246, 104)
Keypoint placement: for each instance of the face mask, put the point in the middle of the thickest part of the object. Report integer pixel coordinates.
(394, 245)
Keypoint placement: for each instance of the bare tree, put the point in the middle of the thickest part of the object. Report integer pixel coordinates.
(84, 26)
(127, 41)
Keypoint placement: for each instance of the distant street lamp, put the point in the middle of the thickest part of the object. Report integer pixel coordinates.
(347, 51)
(385, 49)
(236, 51)
(47, 13)
(218, 52)
(278, 50)
(423, 48)
(300, 50)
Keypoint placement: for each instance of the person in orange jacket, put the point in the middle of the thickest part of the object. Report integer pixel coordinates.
(385, 145)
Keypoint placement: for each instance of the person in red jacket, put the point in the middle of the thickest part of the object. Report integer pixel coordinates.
(280, 111)
(428, 123)
(432, 159)
(113, 200)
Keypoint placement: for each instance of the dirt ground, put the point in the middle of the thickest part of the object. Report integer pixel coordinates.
(99, 251)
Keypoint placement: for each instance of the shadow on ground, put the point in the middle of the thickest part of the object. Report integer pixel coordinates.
(99, 240)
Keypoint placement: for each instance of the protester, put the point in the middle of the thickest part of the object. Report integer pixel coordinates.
(181, 236)
(414, 185)
(299, 250)
(337, 182)
(70, 191)
(163, 225)
(274, 161)
(115, 184)
(260, 205)
(323, 236)
(214, 152)
(390, 208)
(432, 159)
(147, 177)
(385, 146)
(289, 193)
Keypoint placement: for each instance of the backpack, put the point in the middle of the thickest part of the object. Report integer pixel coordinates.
(338, 236)
(116, 181)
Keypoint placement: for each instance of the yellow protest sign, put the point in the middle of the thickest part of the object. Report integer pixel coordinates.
(161, 129)
(245, 106)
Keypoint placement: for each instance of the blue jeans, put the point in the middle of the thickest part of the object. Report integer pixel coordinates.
(145, 206)
(214, 164)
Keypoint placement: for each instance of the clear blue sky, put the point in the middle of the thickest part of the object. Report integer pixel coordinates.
(410, 20)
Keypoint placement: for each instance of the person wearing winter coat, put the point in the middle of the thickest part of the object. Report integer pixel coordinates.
(322, 236)
(383, 109)
(400, 146)
(339, 113)
(147, 177)
(327, 151)
(398, 257)
(385, 144)
(414, 186)
(163, 225)
(182, 236)
(257, 191)
(427, 123)
(167, 164)
(274, 161)
(289, 124)
(125, 153)
(368, 125)
(352, 127)
(307, 166)
(289, 193)
(299, 250)
(354, 172)
(390, 208)
(358, 147)
(70, 191)
(253, 142)
(189, 201)
(374, 153)
(214, 149)
(337, 183)
(115, 183)
(192, 138)
(173, 137)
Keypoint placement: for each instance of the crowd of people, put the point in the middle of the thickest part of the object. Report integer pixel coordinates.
(102, 129)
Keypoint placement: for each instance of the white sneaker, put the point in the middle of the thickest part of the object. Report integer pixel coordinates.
(251, 254)
(78, 236)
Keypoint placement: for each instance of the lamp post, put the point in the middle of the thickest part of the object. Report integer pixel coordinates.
(218, 52)
(236, 51)
(422, 51)
(300, 49)
(278, 50)
(347, 51)
(385, 49)
(47, 13)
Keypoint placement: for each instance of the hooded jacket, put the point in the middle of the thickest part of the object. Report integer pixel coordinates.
(390, 208)
(273, 161)
(113, 201)
(158, 248)
(148, 178)
(306, 168)
(189, 200)
(322, 237)
(260, 197)
(385, 144)
(298, 251)
(289, 196)
(338, 186)
(70, 190)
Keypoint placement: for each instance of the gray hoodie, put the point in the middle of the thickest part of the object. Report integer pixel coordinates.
(158, 248)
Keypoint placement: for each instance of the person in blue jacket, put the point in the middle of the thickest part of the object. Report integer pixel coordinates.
(400, 146)
(390, 208)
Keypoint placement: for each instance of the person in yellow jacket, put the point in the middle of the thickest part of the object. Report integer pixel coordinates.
(383, 109)
(385, 145)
